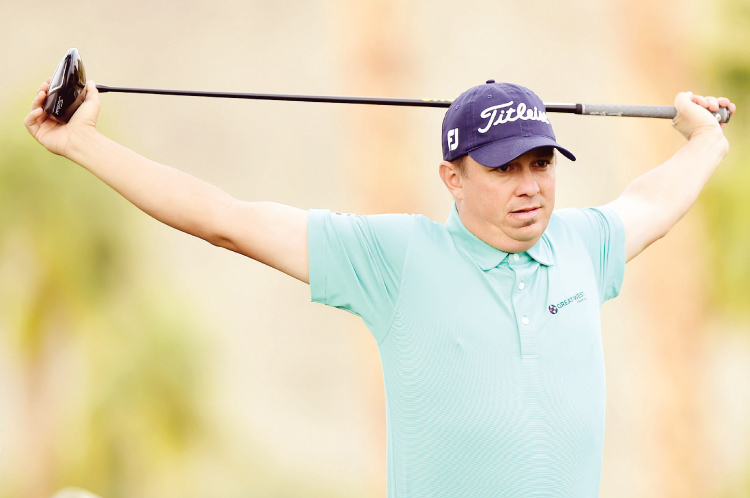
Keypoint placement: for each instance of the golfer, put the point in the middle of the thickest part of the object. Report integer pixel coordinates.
(488, 326)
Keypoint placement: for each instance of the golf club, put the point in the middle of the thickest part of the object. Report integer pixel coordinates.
(67, 86)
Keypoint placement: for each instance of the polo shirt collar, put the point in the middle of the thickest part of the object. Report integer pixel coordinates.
(485, 255)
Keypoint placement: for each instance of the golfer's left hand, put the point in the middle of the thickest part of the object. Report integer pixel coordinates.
(693, 116)
(54, 134)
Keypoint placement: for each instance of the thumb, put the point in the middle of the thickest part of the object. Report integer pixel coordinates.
(691, 116)
(92, 93)
(683, 99)
(88, 113)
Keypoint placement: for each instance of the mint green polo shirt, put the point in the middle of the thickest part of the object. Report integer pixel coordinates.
(492, 362)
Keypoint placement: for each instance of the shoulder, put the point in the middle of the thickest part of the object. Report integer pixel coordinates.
(573, 215)
(323, 217)
(390, 228)
(595, 229)
(376, 235)
(585, 222)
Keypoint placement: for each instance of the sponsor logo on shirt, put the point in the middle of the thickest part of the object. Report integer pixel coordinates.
(578, 298)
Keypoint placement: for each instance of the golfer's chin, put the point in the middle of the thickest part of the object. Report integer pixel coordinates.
(524, 234)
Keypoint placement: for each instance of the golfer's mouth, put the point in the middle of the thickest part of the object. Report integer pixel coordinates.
(526, 213)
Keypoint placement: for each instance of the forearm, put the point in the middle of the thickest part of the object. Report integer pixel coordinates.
(675, 185)
(168, 195)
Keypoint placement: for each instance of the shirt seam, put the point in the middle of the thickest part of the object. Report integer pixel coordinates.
(611, 247)
(600, 291)
(324, 273)
(397, 302)
(325, 259)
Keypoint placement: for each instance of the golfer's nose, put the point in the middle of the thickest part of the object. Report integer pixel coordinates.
(527, 184)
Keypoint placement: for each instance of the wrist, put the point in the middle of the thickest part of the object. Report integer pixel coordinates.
(708, 131)
(710, 137)
(80, 139)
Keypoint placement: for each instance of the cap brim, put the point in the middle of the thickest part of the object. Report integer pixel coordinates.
(504, 151)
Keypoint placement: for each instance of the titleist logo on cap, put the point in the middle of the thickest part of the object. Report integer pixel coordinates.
(495, 123)
(510, 115)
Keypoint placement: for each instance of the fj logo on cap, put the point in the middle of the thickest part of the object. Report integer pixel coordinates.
(453, 139)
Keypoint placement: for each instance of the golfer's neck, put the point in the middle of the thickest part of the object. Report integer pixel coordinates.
(494, 235)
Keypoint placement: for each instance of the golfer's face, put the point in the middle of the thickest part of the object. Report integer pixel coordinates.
(511, 205)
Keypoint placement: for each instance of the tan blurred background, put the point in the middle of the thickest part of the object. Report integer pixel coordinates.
(137, 361)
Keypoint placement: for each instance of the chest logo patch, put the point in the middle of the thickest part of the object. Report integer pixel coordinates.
(578, 298)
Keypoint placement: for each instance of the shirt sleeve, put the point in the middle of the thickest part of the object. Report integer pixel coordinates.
(603, 235)
(356, 263)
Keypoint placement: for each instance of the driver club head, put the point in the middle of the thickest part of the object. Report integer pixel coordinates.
(67, 87)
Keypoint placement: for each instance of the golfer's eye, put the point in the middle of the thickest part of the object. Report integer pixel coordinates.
(504, 168)
(543, 163)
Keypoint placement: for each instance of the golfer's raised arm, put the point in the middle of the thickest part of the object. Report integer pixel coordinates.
(654, 202)
(271, 233)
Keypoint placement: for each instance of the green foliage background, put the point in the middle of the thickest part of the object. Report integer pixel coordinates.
(70, 286)
(726, 199)
(112, 362)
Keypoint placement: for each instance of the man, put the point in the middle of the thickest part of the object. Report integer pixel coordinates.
(488, 326)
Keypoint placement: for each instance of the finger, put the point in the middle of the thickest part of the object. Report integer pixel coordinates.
(32, 120)
(49, 79)
(38, 99)
(713, 104)
(731, 108)
(32, 116)
(725, 102)
(37, 102)
(700, 100)
(43, 86)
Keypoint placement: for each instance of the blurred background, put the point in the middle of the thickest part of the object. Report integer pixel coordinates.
(137, 361)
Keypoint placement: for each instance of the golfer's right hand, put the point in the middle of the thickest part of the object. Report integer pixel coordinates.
(56, 135)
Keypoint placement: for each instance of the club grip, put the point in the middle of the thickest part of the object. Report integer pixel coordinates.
(643, 111)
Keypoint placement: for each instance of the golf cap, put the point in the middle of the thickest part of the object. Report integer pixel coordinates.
(495, 123)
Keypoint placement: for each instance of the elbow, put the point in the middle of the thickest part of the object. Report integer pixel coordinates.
(221, 241)
(220, 234)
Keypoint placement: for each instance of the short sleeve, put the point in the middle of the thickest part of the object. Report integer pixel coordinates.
(356, 263)
(603, 235)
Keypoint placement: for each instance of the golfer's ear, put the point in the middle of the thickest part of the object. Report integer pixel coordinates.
(452, 179)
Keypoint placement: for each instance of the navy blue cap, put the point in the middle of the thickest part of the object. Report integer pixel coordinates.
(495, 123)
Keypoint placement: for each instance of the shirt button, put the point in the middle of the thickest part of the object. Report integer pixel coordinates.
(521, 286)
(515, 257)
(525, 321)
